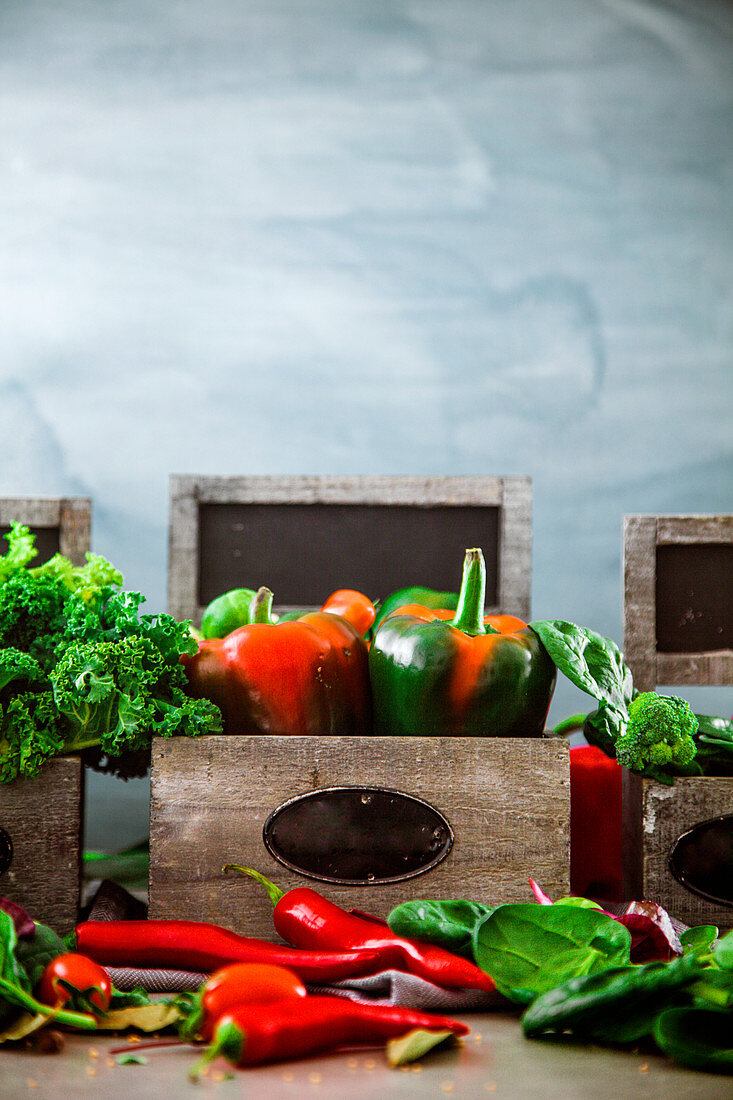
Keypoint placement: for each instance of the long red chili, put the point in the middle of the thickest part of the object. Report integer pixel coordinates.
(251, 1034)
(196, 945)
(306, 919)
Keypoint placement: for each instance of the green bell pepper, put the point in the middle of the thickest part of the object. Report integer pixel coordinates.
(436, 672)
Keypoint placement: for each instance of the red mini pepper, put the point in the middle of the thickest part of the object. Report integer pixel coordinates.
(306, 919)
(237, 984)
(305, 676)
(251, 1034)
(197, 945)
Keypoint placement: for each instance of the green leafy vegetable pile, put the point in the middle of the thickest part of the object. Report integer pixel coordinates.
(568, 966)
(650, 734)
(82, 669)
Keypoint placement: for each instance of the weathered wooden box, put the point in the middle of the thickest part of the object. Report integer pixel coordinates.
(506, 802)
(41, 840)
(656, 817)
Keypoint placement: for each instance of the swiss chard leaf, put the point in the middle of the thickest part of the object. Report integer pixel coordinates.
(619, 1005)
(529, 949)
(590, 661)
(448, 924)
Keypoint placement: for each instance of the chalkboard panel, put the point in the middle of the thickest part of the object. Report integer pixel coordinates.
(303, 552)
(306, 536)
(694, 587)
(47, 542)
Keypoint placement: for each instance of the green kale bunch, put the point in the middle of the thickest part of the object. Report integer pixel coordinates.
(81, 670)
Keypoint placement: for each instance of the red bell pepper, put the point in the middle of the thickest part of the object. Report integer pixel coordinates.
(304, 676)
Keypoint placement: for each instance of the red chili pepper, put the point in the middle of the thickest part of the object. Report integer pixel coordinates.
(249, 1034)
(240, 983)
(196, 945)
(76, 979)
(308, 920)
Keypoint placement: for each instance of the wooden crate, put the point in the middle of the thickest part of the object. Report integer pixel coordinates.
(506, 799)
(678, 599)
(40, 842)
(655, 817)
(375, 534)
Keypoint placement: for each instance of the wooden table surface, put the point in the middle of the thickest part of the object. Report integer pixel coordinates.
(493, 1061)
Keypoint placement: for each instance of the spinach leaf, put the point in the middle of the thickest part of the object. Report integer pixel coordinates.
(590, 661)
(11, 972)
(723, 952)
(619, 1005)
(699, 938)
(529, 949)
(35, 953)
(701, 1038)
(448, 924)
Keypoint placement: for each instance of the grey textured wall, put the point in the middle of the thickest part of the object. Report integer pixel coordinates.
(371, 236)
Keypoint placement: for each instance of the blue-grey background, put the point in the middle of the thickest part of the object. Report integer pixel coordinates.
(369, 236)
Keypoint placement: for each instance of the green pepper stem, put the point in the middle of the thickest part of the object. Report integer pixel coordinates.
(261, 607)
(469, 616)
(273, 892)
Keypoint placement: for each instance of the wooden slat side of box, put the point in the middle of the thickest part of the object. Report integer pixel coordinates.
(43, 817)
(667, 812)
(508, 801)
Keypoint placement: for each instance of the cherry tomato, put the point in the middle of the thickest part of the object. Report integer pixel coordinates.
(245, 983)
(77, 979)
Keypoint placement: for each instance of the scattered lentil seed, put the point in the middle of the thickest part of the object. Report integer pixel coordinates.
(315, 1078)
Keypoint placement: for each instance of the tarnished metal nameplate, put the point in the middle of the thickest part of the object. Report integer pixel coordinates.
(358, 835)
(6, 850)
(702, 860)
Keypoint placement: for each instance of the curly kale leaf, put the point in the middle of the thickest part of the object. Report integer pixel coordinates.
(32, 615)
(19, 669)
(118, 694)
(21, 550)
(84, 580)
(31, 733)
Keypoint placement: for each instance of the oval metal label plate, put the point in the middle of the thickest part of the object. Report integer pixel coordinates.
(702, 860)
(358, 835)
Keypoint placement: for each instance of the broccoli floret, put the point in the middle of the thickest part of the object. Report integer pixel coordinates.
(659, 735)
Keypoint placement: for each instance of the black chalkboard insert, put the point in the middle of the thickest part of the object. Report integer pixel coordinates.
(303, 552)
(694, 598)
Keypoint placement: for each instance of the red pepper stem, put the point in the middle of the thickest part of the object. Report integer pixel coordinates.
(261, 607)
(469, 616)
(273, 892)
